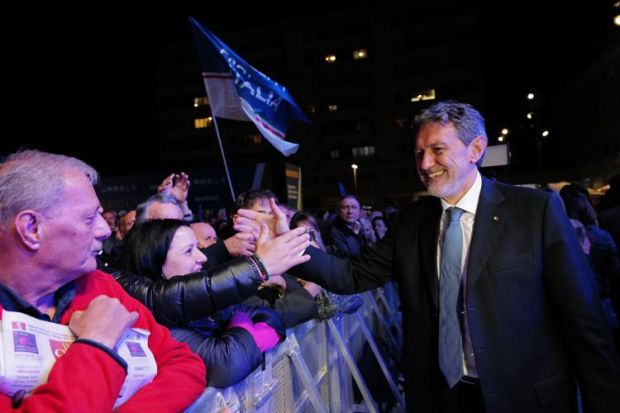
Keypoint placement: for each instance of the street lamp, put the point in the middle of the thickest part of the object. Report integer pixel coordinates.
(354, 167)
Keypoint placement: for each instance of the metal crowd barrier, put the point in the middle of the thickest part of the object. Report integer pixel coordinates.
(313, 370)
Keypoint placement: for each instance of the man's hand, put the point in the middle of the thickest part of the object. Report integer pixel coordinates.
(241, 244)
(166, 185)
(176, 185)
(180, 188)
(247, 225)
(283, 252)
(281, 225)
(249, 221)
(104, 321)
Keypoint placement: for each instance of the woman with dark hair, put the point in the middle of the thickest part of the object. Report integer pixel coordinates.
(231, 342)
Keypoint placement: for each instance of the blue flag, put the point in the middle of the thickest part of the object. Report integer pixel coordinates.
(238, 91)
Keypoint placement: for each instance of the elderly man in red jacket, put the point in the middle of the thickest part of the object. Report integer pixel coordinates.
(51, 230)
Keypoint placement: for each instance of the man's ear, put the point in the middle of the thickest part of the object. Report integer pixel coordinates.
(477, 148)
(29, 229)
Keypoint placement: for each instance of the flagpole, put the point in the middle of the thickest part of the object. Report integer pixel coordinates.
(219, 141)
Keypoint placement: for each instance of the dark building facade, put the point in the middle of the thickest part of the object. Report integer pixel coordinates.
(361, 70)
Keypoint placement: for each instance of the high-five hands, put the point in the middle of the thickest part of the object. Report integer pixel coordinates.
(284, 251)
(249, 221)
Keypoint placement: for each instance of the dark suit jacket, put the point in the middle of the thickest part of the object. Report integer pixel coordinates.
(532, 306)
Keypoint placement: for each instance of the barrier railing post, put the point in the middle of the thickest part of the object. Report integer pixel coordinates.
(304, 375)
(357, 376)
(375, 349)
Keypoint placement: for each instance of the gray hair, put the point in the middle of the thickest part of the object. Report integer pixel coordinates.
(31, 179)
(467, 121)
(142, 209)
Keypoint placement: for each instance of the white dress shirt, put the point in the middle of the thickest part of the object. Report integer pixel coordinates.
(469, 204)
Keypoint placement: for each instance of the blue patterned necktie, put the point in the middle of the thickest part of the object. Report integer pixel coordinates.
(450, 341)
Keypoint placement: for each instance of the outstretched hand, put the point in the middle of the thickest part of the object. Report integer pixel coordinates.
(281, 224)
(284, 251)
(241, 244)
(250, 221)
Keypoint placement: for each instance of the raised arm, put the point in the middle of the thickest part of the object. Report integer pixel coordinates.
(180, 300)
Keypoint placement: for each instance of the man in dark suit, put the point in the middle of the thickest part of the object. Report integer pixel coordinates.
(523, 326)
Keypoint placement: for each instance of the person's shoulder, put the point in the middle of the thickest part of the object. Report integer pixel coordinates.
(523, 193)
(102, 283)
(423, 209)
(101, 277)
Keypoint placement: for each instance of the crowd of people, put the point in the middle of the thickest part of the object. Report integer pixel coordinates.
(509, 295)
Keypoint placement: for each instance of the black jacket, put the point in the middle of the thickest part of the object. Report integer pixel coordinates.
(296, 306)
(344, 241)
(181, 300)
(230, 354)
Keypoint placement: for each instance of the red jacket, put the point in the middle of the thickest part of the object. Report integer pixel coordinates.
(87, 379)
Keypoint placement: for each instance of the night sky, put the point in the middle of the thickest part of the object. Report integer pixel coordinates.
(91, 81)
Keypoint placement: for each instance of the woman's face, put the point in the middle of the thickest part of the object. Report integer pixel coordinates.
(183, 256)
(380, 228)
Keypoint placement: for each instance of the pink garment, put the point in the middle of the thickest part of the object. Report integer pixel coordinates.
(241, 319)
(263, 334)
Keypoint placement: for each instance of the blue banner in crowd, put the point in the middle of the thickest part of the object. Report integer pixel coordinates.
(238, 91)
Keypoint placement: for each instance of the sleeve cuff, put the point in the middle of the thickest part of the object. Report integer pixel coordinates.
(105, 349)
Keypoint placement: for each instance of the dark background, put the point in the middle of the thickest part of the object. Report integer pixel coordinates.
(82, 80)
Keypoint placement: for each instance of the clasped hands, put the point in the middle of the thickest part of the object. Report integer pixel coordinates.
(277, 246)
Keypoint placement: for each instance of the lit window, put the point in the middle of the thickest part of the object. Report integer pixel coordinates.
(203, 122)
(254, 139)
(364, 152)
(360, 54)
(424, 95)
(334, 154)
(201, 101)
(332, 108)
(330, 58)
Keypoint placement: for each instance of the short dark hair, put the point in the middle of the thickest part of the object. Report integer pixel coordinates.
(146, 247)
(248, 198)
(342, 198)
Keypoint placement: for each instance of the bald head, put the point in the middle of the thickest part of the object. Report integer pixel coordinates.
(205, 234)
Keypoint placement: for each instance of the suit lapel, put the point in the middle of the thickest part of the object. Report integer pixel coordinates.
(489, 219)
(428, 234)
